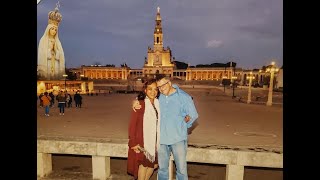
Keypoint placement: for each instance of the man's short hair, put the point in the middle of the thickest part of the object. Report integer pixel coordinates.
(161, 76)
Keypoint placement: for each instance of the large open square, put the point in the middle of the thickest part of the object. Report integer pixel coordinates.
(223, 122)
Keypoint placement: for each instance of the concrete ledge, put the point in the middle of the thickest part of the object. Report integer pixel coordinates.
(67, 147)
(112, 150)
(102, 150)
(260, 159)
(212, 156)
(201, 155)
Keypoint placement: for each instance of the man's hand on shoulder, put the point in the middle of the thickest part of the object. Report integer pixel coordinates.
(135, 105)
(187, 118)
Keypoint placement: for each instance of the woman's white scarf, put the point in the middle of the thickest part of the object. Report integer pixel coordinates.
(151, 129)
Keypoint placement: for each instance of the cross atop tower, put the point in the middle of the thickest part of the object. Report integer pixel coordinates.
(158, 8)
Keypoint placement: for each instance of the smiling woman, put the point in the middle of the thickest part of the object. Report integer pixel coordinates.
(144, 134)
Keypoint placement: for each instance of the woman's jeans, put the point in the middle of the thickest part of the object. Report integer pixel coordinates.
(61, 107)
(179, 151)
(46, 110)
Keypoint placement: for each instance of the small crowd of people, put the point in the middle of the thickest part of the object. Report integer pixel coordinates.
(64, 99)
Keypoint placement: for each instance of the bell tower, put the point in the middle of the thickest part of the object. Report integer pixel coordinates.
(159, 60)
(157, 34)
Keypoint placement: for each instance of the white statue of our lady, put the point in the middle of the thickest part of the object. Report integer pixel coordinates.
(51, 62)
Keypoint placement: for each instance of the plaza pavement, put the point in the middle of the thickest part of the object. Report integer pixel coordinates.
(223, 122)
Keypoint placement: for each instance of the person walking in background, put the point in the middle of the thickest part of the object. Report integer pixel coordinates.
(69, 100)
(80, 101)
(52, 99)
(61, 98)
(40, 100)
(76, 98)
(178, 113)
(144, 134)
(46, 103)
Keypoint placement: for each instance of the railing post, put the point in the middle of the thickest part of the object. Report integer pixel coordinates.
(100, 167)
(234, 172)
(44, 164)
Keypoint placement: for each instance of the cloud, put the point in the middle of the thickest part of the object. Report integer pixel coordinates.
(261, 32)
(214, 44)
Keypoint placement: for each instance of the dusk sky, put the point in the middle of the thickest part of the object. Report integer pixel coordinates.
(248, 32)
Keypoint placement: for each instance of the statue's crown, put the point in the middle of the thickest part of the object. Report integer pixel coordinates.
(54, 16)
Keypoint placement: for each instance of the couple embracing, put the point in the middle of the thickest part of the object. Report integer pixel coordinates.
(158, 126)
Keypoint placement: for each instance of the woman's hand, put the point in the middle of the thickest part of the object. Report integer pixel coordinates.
(136, 148)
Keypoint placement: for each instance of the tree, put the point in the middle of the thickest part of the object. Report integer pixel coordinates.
(124, 65)
(97, 63)
(229, 64)
(71, 75)
(180, 65)
(110, 65)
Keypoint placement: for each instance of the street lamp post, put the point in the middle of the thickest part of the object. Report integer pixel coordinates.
(233, 78)
(233, 84)
(224, 77)
(260, 78)
(272, 70)
(224, 83)
(250, 77)
(65, 81)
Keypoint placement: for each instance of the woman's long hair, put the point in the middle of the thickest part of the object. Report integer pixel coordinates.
(142, 95)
